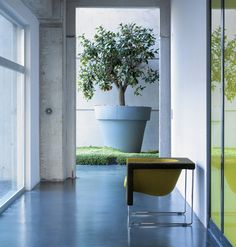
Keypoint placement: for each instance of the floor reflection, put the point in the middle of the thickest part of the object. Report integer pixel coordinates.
(91, 211)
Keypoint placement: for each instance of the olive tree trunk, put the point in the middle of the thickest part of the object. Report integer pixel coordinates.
(121, 96)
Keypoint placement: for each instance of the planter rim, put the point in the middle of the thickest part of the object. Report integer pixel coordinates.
(117, 112)
(123, 106)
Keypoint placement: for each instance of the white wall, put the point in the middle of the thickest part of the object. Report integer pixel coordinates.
(87, 19)
(23, 14)
(188, 85)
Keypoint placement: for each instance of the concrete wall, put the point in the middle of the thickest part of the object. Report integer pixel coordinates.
(87, 19)
(55, 160)
(188, 87)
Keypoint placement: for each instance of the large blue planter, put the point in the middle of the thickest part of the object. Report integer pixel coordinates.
(123, 127)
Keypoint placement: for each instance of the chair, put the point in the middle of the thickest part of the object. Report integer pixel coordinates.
(157, 177)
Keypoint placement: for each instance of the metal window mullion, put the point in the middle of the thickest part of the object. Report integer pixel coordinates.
(11, 65)
(223, 108)
(209, 105)
(25, 110)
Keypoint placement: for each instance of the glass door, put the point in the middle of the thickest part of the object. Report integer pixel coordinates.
(223, 118)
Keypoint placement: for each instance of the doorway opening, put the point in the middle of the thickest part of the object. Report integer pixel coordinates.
(87, 128)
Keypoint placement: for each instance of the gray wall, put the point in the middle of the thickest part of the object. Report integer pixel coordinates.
(87, 129)
(56, 162)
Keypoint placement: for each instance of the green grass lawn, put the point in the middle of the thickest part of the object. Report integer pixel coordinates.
(105, 156)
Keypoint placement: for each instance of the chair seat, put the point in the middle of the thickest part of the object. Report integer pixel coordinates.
(155, 182)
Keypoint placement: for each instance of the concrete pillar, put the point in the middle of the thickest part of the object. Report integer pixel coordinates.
(70, 88)
(165, 85)
(56, 162)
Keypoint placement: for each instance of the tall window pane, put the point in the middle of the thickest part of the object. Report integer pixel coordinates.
(216, 113)
(230, 122)
(11, 132)
(12, 109)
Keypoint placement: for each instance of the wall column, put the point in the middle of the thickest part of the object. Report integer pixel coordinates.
(55, 156)
(165, 85)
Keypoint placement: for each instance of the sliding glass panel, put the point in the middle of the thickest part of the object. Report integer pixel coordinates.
(11, 41)
(230, 122)
(11, 133)
(216, 113)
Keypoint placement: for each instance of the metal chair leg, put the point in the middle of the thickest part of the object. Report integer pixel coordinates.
(163, 224)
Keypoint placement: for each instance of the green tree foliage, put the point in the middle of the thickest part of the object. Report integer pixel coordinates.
(229, 60)
(119, 59)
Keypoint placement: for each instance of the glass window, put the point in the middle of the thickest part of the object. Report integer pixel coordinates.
(229, 123)
(11, 131)
(11, 41)
(12, 109)
(223, 117)
(216, 112)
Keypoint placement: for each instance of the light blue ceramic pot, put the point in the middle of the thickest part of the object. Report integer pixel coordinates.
(123, 127)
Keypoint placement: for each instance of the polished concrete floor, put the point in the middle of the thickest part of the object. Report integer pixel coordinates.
(89, 212)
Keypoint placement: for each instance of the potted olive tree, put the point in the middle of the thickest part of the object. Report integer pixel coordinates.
(121, 60)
